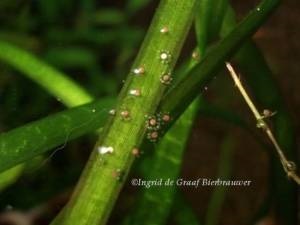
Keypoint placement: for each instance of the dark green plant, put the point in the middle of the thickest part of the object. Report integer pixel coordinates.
(143, 97)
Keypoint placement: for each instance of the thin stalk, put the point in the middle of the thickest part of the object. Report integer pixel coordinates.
(238, 83)
(105, 174)
(288, 166)
(266, 92)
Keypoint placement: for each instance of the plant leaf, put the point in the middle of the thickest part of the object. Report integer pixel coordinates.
(224, 173)
(56, 83)
(28, 141)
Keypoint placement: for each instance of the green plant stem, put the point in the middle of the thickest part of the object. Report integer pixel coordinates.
(104, 175)
(56, 83)
(288, 166)
(182, 94)
(167, 158)
(165, 164)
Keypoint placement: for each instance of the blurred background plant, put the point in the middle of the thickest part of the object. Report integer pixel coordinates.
(94, 42)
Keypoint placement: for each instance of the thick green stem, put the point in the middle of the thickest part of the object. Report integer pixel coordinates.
(104, 175)
(166, 164)
(168, 155)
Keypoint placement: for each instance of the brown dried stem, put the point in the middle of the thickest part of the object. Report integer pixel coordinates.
(288, 166)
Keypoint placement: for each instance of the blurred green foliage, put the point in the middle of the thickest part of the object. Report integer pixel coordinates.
(94, 43)
(91, 42)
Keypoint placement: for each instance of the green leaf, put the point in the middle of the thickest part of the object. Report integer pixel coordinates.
(108, 17)
(224, 173)
(209, 21)
(165, 164)
(10, 176)
(71, 57)
(26, 142)
(210, 110)
(182, 213)
(136, 5)
(56, 83)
